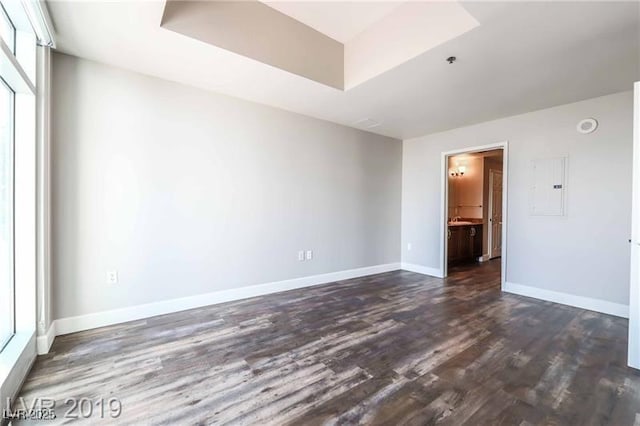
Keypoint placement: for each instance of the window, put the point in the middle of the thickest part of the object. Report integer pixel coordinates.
(7, 294)
(7, 30)
(23, 26)
(17, 168)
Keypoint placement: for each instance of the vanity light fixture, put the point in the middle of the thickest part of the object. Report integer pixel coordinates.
(458, 171)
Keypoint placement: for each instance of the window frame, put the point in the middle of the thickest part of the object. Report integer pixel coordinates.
(6, 17)
(23, 136)
(5, 341)
(22, 72)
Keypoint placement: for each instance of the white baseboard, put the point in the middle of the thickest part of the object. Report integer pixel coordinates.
(597, 305)
(426, 270)
(132, 313)
(44, 342)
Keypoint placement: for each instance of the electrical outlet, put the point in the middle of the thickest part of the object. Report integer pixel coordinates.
(309, 255)
(112, 277)
(301, 255)
(408, 246)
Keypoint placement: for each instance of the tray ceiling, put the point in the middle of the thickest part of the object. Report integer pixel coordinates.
(521, 57)
(297, 37)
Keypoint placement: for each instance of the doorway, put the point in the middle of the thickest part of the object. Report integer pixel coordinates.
(474, 200)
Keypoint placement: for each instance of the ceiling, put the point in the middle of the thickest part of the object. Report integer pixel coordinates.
(521, 57)
(340, 20)
(254, 30)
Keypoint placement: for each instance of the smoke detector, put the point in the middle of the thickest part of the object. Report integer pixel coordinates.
(586, 126)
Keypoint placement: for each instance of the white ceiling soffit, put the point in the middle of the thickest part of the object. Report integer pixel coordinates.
(257, 31)
(523, 56)
(253, 29)
(340, 20)
(408, 31)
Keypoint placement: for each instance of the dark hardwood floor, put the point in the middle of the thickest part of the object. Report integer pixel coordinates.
(393, 348)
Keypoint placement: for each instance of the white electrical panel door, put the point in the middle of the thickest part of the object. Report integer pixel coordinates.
(548, 188)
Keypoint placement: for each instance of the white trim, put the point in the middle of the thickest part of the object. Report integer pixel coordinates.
(44, 342)
(13, 73)
(132, 313)
(634, 287)
(16, 359)
(425, 270)
(444, 194)
(588, 303)
(40, 20)
(43, 194)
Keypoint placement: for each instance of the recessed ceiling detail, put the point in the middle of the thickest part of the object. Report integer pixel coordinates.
(545, 43)
(340, 20)
(338, 44)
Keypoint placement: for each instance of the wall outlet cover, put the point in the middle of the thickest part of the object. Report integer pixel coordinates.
(112, 277)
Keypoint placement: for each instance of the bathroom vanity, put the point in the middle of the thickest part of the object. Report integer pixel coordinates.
(464, 241)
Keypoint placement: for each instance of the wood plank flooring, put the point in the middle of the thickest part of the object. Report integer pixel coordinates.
(394, 348)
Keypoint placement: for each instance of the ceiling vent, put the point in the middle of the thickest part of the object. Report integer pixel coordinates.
(367, 123)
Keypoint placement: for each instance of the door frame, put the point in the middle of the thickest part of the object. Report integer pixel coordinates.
(633, 358)
(444, 201)
(490, 210)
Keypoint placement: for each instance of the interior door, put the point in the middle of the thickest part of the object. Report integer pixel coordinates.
(634, 299)
(495, 215)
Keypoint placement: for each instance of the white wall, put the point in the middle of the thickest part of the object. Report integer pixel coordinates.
(585, 253)
(186, 192)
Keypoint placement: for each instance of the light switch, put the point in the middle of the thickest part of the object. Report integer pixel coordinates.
(309, 254)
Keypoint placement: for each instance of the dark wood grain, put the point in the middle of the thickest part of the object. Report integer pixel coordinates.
(393, 348)
(464, 244)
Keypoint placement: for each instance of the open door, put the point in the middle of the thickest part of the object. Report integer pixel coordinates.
(495, 213)
(634, 300)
